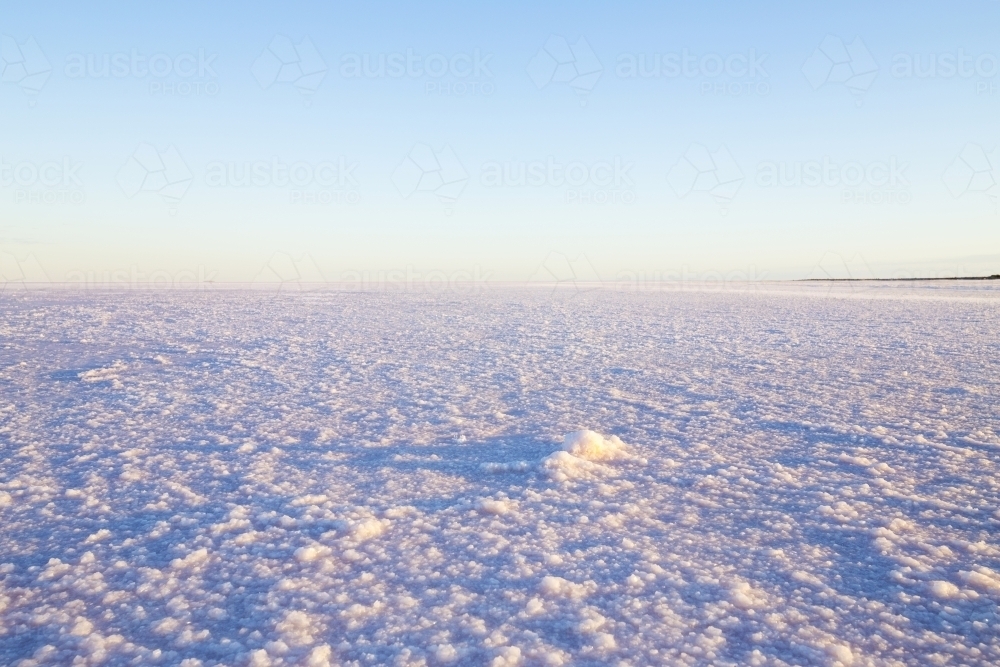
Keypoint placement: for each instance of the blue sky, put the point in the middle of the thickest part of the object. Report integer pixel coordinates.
(860, 143)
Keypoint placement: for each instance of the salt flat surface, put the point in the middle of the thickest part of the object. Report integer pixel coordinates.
(792, 475)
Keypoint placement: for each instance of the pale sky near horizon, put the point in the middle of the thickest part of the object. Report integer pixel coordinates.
(638, 140)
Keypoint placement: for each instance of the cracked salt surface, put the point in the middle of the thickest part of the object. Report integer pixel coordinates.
(800, 475)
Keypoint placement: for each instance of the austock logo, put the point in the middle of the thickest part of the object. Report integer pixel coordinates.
(23, 64)
(836, 63)
(560, 62)
(285, 272)
(734, 74)
(875, 182)
(409, 279)
(148, 170)
(601, 182)
(834, 266)
(426, 170)
(285, 62)
(181, 75)
(20, 272)
(415, 66)
(713, 172)
(944, 65)
(684, 279)
(974, 171)
(326, 182)
(133, 278)
(560, 273)
(458, 74)
(51, 182)
(958, 64)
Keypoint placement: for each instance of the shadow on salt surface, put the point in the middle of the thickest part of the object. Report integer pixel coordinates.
(865, 574)
(156, 551)
(457, 459)
(70, 468)
(71, 375)
(861, 570)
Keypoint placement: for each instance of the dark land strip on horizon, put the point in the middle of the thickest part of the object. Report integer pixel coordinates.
(995, 276)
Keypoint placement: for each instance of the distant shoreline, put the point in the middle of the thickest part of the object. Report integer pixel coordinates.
(995, 276)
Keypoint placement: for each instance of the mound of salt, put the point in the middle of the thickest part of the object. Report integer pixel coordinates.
(592, 446)
(581, 455)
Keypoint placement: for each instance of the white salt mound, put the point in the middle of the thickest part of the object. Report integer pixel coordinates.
(592, 446)
(580, 456)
